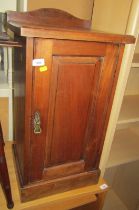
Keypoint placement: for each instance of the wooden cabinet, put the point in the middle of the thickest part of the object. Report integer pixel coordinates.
(62, 102)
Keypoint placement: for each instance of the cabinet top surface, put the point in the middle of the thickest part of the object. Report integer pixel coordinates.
(57, 24)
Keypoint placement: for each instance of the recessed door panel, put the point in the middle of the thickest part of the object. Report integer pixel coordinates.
(73, 91)
(73, 97)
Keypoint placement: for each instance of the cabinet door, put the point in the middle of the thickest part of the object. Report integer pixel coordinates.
(73, 101)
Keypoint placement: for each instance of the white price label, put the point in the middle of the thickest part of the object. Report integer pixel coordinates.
(103, 186)
(38, 62)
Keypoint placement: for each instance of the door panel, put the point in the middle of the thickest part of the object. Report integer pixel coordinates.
(73, 90)
(71, 111)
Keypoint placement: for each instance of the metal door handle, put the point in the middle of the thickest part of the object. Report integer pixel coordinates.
(37, 123)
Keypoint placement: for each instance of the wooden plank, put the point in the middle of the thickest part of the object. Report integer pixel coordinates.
(64, 170)
(46, 17)
(66, 203)
(83, 48)
(98, 205)
(10, 43)
(76, 35)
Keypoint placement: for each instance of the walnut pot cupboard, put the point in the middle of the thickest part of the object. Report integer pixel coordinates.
(61, 108)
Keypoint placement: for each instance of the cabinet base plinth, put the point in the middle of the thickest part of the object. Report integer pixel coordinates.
(43, 188)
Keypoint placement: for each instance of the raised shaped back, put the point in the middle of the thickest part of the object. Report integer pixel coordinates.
(48, 17)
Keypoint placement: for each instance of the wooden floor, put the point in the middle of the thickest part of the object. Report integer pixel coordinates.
(61, 201)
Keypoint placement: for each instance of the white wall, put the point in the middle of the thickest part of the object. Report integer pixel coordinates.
(7, 5)
(111, 15)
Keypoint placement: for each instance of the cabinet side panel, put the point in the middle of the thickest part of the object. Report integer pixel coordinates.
(19, 62)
